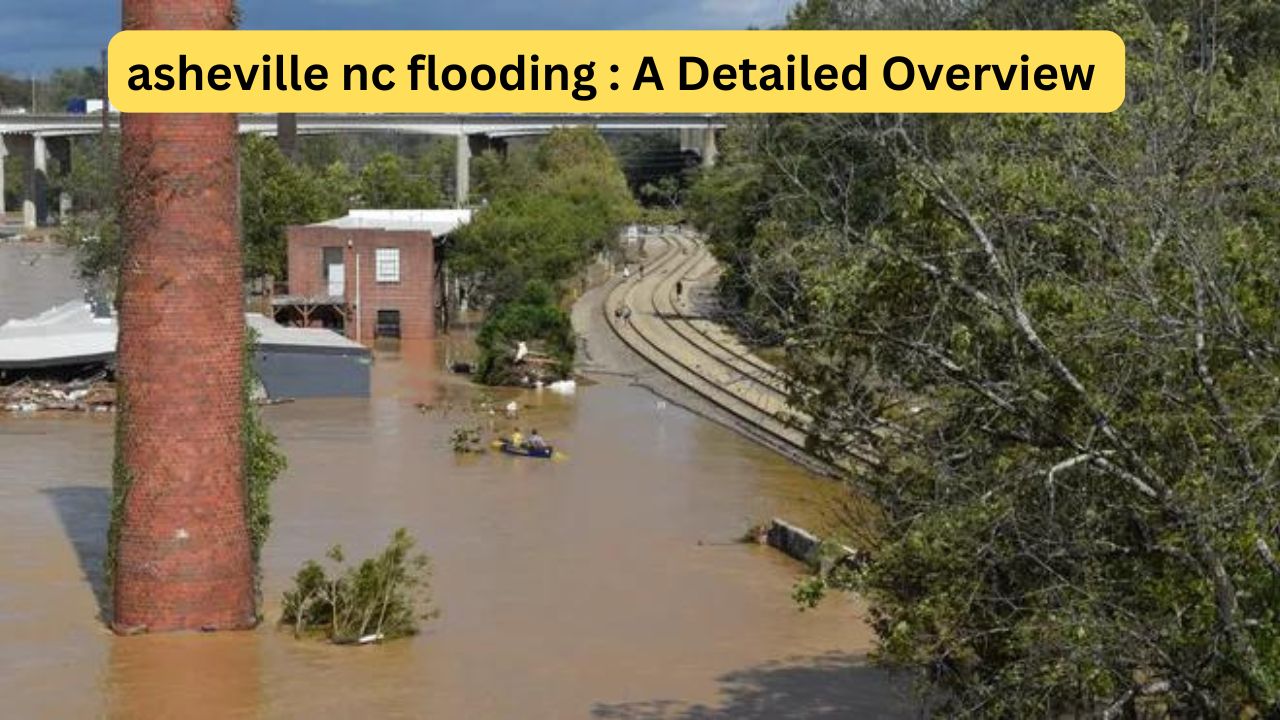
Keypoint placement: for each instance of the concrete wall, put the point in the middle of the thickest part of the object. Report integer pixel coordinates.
(798, 543)
(414, 295)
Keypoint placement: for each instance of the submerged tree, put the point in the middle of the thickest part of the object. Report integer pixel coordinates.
(382, 598)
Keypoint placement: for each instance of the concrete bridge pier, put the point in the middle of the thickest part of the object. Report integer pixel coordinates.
(468, 147)
(686, 140)
(462, 172)
(35, 154)
(59, 149)
(710, 151)
(287, 135)
(701, 141)
(4, 151)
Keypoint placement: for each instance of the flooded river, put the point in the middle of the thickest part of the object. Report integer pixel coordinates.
(606, 585)
(35, 276)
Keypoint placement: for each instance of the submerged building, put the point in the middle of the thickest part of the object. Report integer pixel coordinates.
(370, 274)
(78, 337)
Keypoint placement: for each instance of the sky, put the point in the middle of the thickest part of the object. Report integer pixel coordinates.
(39, 35)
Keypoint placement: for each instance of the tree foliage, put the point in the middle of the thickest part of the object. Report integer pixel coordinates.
(51, 92)
(1062, 336)
(535, 315)
(264, 461)
(383, 598)
(93, 229)
(387, 181)
(551, 211)
(276, 193)
(657, 170)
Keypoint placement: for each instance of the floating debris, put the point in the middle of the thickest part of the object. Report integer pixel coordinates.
(90, 394)
(563, 387)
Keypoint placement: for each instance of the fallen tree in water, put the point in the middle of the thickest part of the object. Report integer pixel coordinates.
(382, 598)
(527, 342)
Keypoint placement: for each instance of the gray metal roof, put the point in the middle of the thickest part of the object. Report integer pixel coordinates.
(439, 222)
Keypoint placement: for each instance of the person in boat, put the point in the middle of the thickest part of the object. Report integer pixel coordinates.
(536, 441)
(516, 439)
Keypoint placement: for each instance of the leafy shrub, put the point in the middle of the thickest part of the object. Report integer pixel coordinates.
(466, 439)
(263, 460)
(535, 319)
(382, 598)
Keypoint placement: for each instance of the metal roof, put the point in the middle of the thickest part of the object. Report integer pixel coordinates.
(439, 222)
(69, 334)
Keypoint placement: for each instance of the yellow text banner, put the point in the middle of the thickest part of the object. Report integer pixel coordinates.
(780, 71)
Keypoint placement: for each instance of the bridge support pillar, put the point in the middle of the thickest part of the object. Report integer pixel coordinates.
(686, 140)
(35, 210)
(287, 135)
(710, 151)
(701, 141)
(59, 148)
(3, 152)
(468, 147)
(462, 172)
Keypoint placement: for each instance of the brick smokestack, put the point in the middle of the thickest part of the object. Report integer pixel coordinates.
(183, 559)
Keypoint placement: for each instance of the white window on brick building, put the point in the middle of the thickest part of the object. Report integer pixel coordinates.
(386, 264)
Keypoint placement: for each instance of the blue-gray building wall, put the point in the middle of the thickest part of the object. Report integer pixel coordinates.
(288, 372)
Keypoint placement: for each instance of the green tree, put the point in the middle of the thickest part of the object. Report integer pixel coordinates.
(275, 193)
(388, 182)
(656, 161)
(383, 598)
(1060, 335)
(551, 211)
(93, 229)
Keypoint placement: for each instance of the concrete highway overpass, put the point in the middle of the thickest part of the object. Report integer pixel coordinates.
(37, 137)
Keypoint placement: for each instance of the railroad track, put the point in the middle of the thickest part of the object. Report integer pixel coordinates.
(742, 386)
(703, 333)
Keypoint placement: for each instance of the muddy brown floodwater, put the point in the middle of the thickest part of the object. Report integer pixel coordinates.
(606, 585)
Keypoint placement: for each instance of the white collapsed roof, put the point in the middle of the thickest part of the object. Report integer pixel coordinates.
(65, 334)
(438, 222)
(70, 334)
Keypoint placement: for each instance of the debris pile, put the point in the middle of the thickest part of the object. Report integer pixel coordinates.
(90, 394)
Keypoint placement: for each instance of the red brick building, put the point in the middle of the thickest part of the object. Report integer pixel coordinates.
(371, 273)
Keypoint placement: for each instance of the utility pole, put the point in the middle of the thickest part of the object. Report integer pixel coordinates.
(106, 104)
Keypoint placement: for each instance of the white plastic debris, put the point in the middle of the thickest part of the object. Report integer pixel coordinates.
(563, 387)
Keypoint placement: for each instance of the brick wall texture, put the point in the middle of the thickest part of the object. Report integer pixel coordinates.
(183, 559)
(413, 296)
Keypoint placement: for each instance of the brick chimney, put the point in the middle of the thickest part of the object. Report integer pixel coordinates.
(183, 560)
